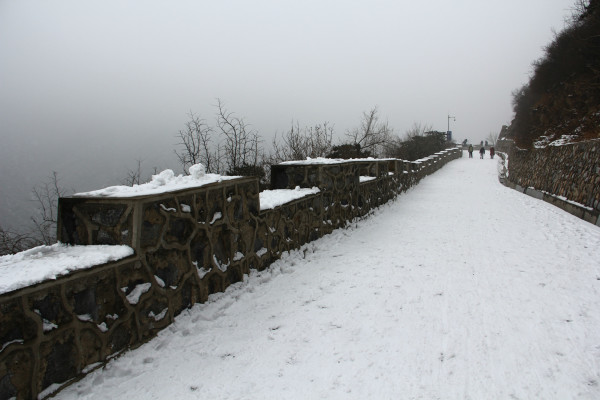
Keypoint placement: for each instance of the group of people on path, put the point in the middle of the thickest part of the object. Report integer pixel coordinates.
(482, 152)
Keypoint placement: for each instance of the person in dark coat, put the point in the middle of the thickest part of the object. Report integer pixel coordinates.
(481, 152)
(492, 152)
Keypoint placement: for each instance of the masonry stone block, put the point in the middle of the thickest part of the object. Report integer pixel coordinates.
(49, 306)
(222, 240)
(179, 230)
(201, 249)
(16, 326)
(152, 225)
(235, 273)
(59, 359)
(92, 347)
(123, 335)
(216, 203)
(7, 389)
(216, 282)
(186, 296)
(169, 265)
(153, 314)
(134, 283)
(16, 375)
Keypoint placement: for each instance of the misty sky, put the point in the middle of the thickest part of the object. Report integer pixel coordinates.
(87, 87)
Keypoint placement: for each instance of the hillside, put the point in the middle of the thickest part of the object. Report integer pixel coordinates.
(561, 102)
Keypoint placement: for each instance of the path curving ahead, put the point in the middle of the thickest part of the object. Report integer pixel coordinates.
(459, 289)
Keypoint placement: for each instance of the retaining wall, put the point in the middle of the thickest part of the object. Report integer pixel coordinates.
(188, 244)
(566, 176)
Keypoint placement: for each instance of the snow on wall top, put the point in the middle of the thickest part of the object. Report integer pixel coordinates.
(166, 181)
(48, 262)
(270, 199)
(439, 153)
(321, 160)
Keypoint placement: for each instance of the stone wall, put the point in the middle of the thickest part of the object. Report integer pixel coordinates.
(567, 176)
(50, 332)
(188, 244)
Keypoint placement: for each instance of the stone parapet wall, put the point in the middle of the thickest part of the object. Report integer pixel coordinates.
(50, 332)
(188, 244)
(571, 172)
(204, 227)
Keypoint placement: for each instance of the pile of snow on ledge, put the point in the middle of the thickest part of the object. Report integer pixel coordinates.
(48, 262)
(325, 161)
(270, 199)
(322, 160)
(166, 181)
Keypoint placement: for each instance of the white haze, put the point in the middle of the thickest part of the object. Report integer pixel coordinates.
(88, 87)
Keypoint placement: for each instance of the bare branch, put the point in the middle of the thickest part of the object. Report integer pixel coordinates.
(372, 135)
(418, 129)
(134, 176)
(13, 242)
(300, 143)
(195, 140)
(240, 146)
(46, 196)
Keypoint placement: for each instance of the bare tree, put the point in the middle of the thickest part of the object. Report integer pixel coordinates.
(240, 145)
(579, 9)
(46, 196)
(133, 175)
(417, 129)
(298, 143)
(372, 135)
(419, 141)
(44, 221)
(319, 139)
(236, 150)
(13, 242)
(293, 146)
(195, 140)
(492, 138)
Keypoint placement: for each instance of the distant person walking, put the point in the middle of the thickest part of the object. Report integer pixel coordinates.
(481, 152)
(470, 151)
(492, 152)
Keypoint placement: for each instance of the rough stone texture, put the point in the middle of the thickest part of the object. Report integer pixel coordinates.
(566, 176)
(188, 244)
(570, 171)
(51, 331)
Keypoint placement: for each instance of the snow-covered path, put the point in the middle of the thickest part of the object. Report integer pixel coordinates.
(460, 289)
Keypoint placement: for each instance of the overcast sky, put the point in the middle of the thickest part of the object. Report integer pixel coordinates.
(87, 87)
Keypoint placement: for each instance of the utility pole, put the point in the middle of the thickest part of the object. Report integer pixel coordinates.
(449, 132)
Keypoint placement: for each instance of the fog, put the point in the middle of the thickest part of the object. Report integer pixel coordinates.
(88, 87)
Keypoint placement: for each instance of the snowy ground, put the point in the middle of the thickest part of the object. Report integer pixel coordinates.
(460, 289)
